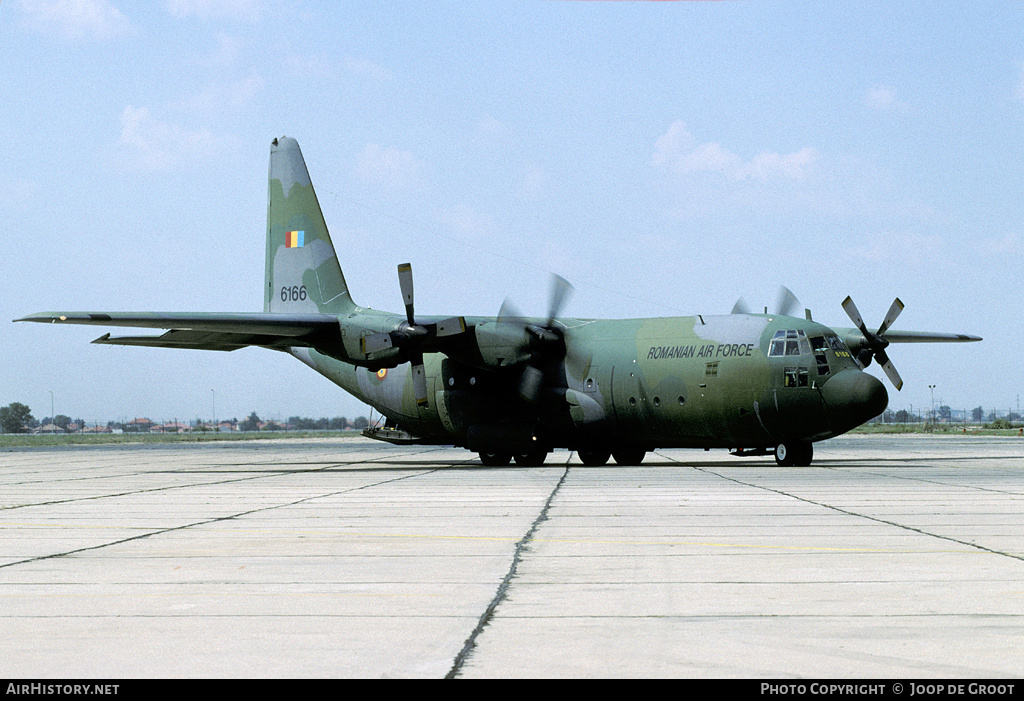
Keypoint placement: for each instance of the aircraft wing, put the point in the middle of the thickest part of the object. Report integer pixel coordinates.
(856, 342)
(214, 331)
(854, 337)
(927, 337)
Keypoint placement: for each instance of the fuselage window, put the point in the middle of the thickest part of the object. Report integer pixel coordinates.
(819, 346)
(797, 377)
(822, 362)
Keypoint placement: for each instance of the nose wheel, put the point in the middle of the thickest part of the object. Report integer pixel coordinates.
(794, 454)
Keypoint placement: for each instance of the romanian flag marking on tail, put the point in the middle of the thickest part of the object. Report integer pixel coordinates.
(294, 239)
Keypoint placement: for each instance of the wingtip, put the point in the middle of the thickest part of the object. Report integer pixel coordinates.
(39, 317)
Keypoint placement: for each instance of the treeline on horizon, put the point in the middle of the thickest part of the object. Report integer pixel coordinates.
(17, 418)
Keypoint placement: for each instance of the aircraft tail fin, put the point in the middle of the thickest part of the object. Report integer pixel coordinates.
(302, 269)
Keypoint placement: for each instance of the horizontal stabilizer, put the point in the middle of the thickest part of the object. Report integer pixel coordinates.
(224, 332)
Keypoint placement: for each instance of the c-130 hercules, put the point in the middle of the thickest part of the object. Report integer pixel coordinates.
(517, 387)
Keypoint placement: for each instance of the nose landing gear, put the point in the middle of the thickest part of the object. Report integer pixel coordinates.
(794, 454)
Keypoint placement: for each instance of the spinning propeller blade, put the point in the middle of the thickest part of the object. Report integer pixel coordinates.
(786, 302)
(740, 307)
(546, 343)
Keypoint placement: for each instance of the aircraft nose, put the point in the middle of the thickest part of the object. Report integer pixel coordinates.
(853, 397)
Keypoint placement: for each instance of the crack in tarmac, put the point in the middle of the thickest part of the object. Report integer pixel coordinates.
(500, 594)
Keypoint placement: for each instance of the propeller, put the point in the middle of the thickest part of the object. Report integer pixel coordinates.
(741, 307)
(412, 337)
(785, 303)
(546, 343)
(875, 343)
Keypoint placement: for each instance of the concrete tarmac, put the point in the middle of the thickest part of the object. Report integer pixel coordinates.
(891, 556)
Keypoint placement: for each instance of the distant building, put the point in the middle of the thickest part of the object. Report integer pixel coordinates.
(169, 427)
(139, 426)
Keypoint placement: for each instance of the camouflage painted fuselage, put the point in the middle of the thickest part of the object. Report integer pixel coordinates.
(701, 382)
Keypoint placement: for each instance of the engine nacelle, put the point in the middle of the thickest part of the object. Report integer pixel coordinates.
(501, 345)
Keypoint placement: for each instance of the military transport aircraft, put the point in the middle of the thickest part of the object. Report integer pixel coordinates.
(518, 387)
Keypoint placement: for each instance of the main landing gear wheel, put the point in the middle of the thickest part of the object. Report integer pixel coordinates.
(629, 456)
(534, 458)
(496, 459)
(794, 454)
(594, 458)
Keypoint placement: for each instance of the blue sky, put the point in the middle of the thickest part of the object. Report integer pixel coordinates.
(665, 157)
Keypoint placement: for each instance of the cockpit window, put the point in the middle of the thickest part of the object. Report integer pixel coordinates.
(836, 343)
(790, 342)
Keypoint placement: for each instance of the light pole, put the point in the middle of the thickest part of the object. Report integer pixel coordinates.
(214, 393)
(53, 425)
(932, 388)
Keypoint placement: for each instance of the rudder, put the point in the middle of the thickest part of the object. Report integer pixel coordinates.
(302, 269)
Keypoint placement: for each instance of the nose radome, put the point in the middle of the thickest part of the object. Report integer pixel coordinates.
(853, 397)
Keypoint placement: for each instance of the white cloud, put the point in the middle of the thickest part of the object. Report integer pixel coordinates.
(670, 144)
(792, 166)
(244, 10)
(389, 167)
(883, 98)
(709, 157)
(75, 19)
(151, 144)
(677, 151)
